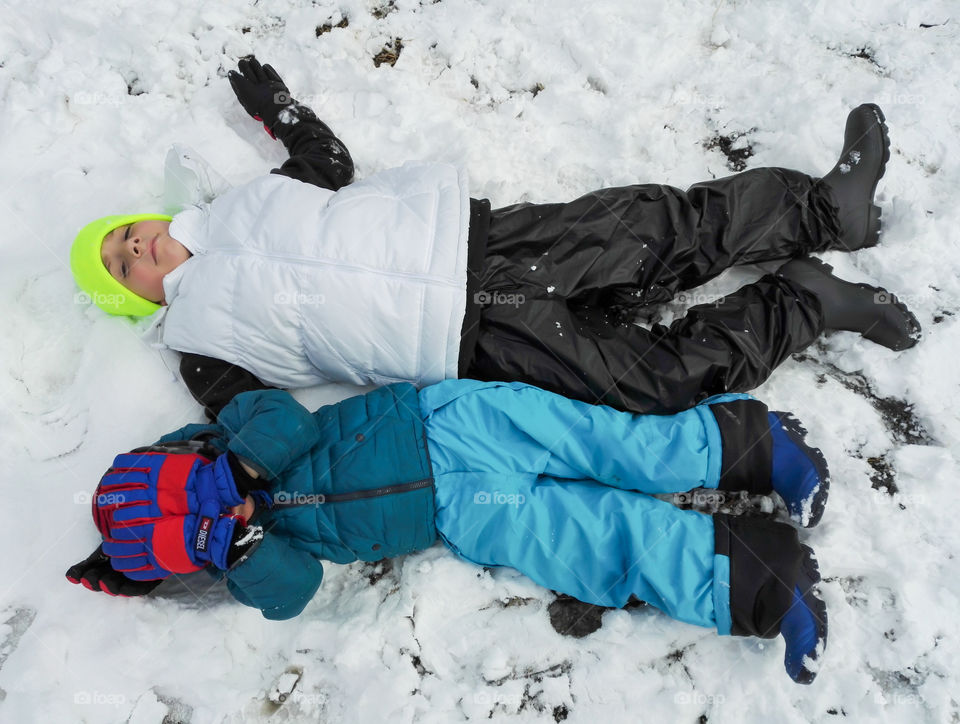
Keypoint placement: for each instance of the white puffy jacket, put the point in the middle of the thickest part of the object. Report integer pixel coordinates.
(302, 285)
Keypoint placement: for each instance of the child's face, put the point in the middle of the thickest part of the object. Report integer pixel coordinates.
(139, 256)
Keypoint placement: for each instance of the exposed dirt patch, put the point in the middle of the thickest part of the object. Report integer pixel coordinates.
(733, 147)
(897, 415)
(389, 54)
(327, 27)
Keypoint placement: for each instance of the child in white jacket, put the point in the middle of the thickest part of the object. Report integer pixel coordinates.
(304, 276)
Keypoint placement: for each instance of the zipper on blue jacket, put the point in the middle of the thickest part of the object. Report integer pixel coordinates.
(323, 499)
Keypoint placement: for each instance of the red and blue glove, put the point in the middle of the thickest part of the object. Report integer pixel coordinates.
(161, 514)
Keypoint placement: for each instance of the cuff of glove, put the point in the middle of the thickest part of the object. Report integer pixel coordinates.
(244, 482)
(286, 113)
(212, 536)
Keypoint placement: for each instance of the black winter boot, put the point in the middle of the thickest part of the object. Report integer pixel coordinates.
(872, 311)
(853, 181)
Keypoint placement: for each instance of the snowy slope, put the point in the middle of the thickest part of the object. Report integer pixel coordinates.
(541, 101)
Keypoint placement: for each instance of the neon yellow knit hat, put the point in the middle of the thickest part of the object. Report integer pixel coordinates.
(92, 276)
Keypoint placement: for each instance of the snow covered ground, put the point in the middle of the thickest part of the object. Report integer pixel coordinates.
(541, 101)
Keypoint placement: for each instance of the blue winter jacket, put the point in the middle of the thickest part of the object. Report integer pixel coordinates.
(352, 481)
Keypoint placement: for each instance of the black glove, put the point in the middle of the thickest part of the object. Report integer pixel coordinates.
(261, 91)
(96, 574)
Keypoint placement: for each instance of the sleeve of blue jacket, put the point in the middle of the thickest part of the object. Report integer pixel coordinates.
(276, 578)
(268, 429)
(192, 431)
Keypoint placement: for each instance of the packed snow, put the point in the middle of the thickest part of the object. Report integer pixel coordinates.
(540, 101)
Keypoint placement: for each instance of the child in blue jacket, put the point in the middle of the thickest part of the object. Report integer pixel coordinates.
(505, 474)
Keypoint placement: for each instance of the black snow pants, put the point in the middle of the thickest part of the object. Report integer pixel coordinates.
(560, 281)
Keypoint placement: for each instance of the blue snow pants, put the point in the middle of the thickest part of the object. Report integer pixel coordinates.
(558, 489)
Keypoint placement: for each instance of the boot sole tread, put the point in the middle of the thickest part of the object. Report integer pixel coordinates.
(810, 572)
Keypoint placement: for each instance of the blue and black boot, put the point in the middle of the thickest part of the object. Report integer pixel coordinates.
(804, 625)
(773, 580)
(799, 472)
(765, 452)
